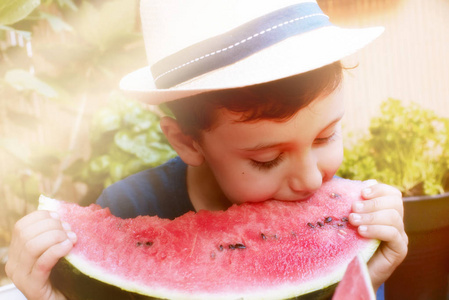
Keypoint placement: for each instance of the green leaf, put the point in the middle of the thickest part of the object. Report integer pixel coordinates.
(68, 3)
(407, 148)
(23, 81)
(12, 11)
(56, 23)
(103, 26)
(16, 150)
(22, 119)
(26, 34)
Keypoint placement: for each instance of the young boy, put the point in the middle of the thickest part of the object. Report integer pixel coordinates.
(260, 122)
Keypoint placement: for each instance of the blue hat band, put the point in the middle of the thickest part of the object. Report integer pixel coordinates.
(237, 44)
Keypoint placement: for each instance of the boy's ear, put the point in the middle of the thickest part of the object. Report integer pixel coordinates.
(184, 145)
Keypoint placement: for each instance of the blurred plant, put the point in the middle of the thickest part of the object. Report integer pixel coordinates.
(408, 147)
(125, 139)
(59, 62)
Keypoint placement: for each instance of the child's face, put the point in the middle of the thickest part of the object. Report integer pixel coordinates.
(288, 160)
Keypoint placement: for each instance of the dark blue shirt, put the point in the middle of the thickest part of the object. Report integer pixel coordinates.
(161, 191)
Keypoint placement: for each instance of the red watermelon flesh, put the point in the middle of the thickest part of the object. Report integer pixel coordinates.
(267, 250)
(356, 283)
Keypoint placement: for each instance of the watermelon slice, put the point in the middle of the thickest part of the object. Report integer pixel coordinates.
(267, 250)
(356, 283)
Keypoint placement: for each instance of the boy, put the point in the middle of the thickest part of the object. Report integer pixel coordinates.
(257, 105)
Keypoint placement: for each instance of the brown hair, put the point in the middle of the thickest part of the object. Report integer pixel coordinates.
(277, 100)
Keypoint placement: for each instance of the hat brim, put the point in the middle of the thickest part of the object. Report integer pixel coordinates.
(295, 55)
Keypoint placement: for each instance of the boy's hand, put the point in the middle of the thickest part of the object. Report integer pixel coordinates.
(380, 217)
(38, 241)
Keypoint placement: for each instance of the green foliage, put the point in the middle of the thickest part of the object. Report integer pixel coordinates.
(12, 11)
(22, 80)
(125, 139)
(408, 147)
(66, 59)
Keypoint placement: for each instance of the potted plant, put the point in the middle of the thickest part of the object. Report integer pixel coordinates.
(408, 147)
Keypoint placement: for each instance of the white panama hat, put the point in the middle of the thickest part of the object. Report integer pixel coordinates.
(197, 46)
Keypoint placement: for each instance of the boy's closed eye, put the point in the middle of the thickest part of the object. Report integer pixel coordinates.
(267, 164)
(326, 139)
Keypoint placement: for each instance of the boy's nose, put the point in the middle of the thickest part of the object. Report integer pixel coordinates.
(305, 176)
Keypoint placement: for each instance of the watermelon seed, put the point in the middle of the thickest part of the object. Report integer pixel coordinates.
(335, 195)
(263, 236)
(328, 220)
(310, 225)
(320, 224)
(146, 244)
(237, 246)
(220, 247)
(240, 246)
(340, 225)
(212, 254)
(344, 219)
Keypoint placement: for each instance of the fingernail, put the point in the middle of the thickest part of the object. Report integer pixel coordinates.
(71, 235)
(66, 243)
(363, 228)
(370, 182)
(358, 206)
(54, 215)
(356, 217)
(367, 191)
(66, 226)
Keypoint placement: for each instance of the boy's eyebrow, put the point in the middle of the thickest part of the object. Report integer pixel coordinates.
(335, 121)
(263, 146)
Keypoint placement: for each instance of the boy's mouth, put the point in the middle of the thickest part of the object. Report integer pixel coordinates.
(301, 197)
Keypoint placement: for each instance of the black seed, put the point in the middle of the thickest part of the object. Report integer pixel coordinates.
(275, 236)
(320, 224)
(335, 195)
(240, 246)
(263, 236)
(220, 247)
(340, 225)
(328, 220)
(232, 247)
(148, 244)
(138, 244)
(344, 219)
(310, 225)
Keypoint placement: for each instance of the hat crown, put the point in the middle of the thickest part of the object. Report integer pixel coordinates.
(171, 25)
(196, 46)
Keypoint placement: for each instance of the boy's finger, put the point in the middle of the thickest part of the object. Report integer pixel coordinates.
(40, 227)
(394, 246)
(44, 264)
(389, 217)
(37, 276)
(379, 203)
(34, 248)
(380, 190)
(32, 218)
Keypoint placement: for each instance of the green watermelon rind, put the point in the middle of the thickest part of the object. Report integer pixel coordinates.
(286, 291)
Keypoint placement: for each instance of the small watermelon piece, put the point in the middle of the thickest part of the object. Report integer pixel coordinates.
(268, 250)
(356, 283)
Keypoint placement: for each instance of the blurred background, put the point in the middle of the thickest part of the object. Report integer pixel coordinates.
(67, 132)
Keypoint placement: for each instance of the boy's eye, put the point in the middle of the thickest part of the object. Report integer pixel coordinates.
(327, 139)
(266, 165)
